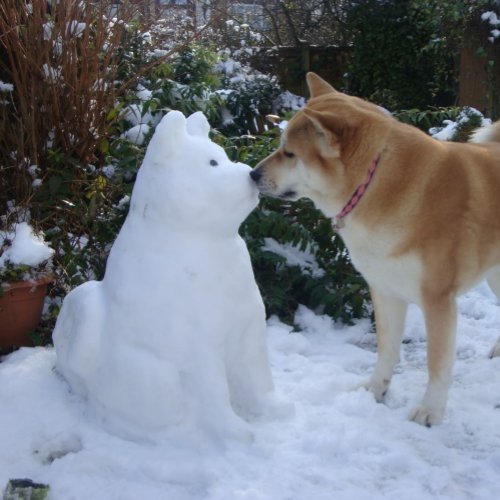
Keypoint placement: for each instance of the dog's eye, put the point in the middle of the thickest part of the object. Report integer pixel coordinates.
(213, 163)
(288, 154)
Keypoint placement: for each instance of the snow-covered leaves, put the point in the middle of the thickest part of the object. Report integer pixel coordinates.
(492, 18)
(453, 130)
(6, 87)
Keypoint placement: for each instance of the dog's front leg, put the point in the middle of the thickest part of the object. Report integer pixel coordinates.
(390, 314)
(441, 319)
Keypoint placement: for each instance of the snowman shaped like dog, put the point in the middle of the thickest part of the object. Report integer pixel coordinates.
(174, 335)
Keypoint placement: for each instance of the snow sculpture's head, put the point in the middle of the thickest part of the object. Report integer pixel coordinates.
(187, 181)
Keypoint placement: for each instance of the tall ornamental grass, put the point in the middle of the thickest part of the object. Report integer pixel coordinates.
(59, 63)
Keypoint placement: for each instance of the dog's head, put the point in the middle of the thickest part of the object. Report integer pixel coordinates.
(325, 149)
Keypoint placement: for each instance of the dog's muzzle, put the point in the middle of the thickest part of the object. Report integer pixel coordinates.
(269, 189)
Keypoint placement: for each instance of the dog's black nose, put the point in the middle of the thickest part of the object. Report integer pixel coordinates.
(256, 174)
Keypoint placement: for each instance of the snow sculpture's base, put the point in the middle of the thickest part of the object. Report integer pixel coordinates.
(174, 336)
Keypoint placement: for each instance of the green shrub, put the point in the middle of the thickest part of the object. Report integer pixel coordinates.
(248, 100)
(426, 119)
(401, 55)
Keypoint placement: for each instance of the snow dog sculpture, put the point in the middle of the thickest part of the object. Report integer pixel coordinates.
(174, 335)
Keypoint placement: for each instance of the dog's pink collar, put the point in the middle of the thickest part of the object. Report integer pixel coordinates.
(338, 220)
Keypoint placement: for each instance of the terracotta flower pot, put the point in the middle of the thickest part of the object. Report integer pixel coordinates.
(20, 310)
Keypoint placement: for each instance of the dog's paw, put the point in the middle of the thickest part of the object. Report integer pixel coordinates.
(424, 415)
(377, 387)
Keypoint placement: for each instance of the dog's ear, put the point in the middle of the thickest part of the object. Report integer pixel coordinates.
(329, 128)
(318, 86)
(323, 122)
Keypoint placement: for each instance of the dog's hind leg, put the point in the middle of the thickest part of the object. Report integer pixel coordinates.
(493, 278)
(440, 312)
(390, 314)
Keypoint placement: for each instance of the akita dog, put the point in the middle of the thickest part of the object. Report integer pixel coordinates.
(420, 217)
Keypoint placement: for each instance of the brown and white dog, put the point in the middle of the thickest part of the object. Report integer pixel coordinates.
(420, 217)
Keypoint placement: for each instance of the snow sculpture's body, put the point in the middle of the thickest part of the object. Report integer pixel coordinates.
(174, 334)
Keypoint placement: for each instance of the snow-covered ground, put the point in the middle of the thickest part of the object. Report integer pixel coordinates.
(339, 444)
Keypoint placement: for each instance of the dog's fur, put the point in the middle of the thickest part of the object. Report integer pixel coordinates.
(426, 229)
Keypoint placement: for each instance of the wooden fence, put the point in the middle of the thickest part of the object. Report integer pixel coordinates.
(479, 80)
(480, 72)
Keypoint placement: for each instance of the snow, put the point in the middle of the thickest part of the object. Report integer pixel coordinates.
(27, 248)
(173, 340)
(6, 87)
(491, 17)
(109, 171)
(137, 134)
(75, 28)
(52, 75)
(339, 444)
(287, 100)
(123, 203)
(159, 53)
(294, 256)
(33, 170)
(144, 94)
(134, 115)
(447, 131)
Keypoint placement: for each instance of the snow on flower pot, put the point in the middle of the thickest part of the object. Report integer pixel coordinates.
(25, 271)
(21, 307)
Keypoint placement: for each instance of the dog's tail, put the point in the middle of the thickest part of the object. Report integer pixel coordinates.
(490, 133)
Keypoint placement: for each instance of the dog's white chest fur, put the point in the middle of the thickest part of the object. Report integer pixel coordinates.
(372, 255)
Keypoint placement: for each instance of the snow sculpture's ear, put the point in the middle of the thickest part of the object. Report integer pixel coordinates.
(197, 124)
(172, 127)
(169, 135)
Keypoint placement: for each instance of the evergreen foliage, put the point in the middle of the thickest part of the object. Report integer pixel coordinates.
(401, 56)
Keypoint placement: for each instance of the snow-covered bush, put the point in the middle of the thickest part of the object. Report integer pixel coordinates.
(459, 129)
(425, 119)
(233, 95)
